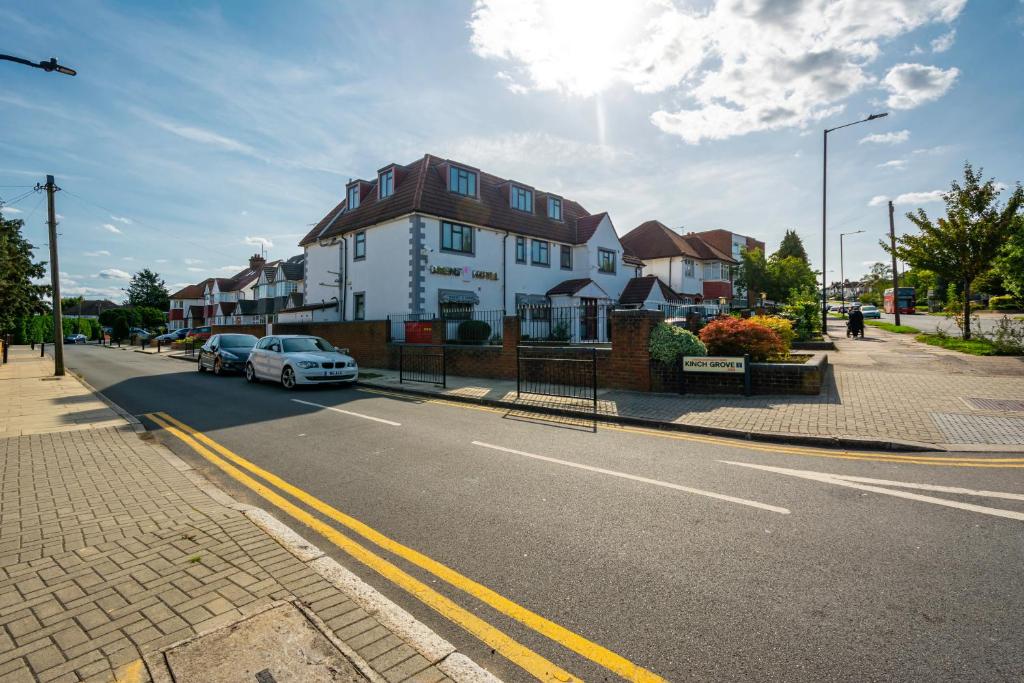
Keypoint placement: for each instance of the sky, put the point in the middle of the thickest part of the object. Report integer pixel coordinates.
(196, 133)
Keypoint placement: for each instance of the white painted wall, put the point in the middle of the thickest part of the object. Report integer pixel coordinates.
(679, 281)
(383, 274)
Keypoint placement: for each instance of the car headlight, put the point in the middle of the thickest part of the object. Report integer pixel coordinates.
(306, 364)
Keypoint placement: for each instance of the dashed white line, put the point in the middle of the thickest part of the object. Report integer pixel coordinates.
(841, 480)
(349, 412)
(645, 480)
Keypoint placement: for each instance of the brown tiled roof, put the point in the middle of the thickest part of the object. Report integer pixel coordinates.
(197, 312)
(653, 239)
(195, 291)
(227, 307)
(422, 187)
(569, 286)
(638, 290)
(587, 226)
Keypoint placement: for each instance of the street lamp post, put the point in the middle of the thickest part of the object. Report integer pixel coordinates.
(824, 195)
(842, 277)
(48, 66)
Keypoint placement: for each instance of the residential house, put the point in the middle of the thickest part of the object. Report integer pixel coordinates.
(697, 265)
(438, 237)
(277, 287)
(186, 307)
(230, 290)
(89, 308)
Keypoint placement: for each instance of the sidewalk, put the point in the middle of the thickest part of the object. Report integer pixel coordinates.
(883, 391)
(113, 550)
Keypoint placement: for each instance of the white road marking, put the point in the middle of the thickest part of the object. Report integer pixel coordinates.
(645, 480)
(838, 481)
(932, 487)
(349, 412)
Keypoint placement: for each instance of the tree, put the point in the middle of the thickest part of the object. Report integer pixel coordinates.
(752, 272)
(964, 244)
(19, 295)
(776, 276)
(793, 246)
(1010, 263)
(150, 317)
(147, 289)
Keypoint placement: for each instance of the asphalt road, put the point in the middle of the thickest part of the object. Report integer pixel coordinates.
(859, 581)
(933, 323)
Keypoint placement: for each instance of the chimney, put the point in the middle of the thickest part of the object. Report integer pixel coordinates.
(256, 262)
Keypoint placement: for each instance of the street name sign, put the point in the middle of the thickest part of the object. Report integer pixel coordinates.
(731, 364)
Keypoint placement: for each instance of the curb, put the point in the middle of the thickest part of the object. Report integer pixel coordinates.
(847, 443)
(435, 649)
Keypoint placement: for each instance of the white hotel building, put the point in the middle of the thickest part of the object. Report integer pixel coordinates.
(436, 233)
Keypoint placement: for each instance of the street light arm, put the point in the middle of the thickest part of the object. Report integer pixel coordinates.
(847, 125)
(49, 65)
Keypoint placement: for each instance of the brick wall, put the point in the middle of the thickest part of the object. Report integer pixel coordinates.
(255, 330)
(627, 365)
(366, 340)
(765, 378)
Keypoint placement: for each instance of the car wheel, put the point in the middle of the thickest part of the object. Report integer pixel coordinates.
(250, 374)
(288, 378)
(217, 369)
(199, 364)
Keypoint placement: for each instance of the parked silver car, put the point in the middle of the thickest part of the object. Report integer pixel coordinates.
(294, 359)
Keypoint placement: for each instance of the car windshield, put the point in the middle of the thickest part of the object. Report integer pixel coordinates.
(300, 344)
(868, 308)
(237, 341)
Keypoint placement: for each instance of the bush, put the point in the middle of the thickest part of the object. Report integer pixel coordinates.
(669, 342)
(804, 309)
(1007, 337)
(1006, 302)
(475, 331)
(732, 337)
(781, 327)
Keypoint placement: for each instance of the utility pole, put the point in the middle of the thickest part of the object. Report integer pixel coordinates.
(895, 273)
(58, 323)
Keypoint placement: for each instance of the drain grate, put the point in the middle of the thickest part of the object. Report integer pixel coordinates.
(957, 428)
(1008, 404)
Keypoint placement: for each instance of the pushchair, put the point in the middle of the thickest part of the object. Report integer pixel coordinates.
(854, 329)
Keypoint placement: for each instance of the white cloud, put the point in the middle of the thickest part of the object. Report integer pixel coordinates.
(193, 269)
(9, 209)
(160, 260)
(121, 219)
(192, 261)
(911, 85)
(111, 228)
(511, 153)
(114, 274)
(206, 137)
(738, 66)
(101, 252)
(128, 258)
(258, 242)
(909, 198)
(891, 138)
(944, 42)
(938, 149)
(895, 164)
(233, 269)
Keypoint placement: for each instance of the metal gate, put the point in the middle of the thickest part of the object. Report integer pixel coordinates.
(564, 372)
(422, 363)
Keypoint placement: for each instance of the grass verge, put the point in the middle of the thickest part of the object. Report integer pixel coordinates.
(975, 347)
(889, 327)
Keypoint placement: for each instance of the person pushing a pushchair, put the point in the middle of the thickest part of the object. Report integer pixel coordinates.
(855, 324)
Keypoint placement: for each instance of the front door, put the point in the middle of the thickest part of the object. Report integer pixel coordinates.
(588, 321)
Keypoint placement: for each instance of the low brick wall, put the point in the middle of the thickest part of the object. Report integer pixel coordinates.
(366, 340)
(765, 378)
(255, 330)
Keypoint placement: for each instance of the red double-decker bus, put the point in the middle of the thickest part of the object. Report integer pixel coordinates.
(907, 300)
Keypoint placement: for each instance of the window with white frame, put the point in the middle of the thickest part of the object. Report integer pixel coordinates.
(688, 267)
(353, 197)
(707, 271)
(539, 254)
(522, 199)
(359, 246)
(462, 181)
(386, 183)
(606, 260)
(555, 208)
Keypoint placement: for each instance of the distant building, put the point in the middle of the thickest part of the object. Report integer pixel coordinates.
(89, 308)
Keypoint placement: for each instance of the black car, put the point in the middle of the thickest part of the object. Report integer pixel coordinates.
(225, 352)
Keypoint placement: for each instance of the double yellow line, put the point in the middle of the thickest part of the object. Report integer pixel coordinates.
(528, 660)
(935, 460)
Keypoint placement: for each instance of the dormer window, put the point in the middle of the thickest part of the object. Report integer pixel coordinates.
(522, 199)
(386, 183)
(461, 181)
(353, 197)
(555, 208)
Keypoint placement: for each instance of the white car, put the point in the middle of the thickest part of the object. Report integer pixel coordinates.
(294, 359)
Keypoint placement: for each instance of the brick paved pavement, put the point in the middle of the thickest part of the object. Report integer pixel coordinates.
(111, 549)
(884, 388)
